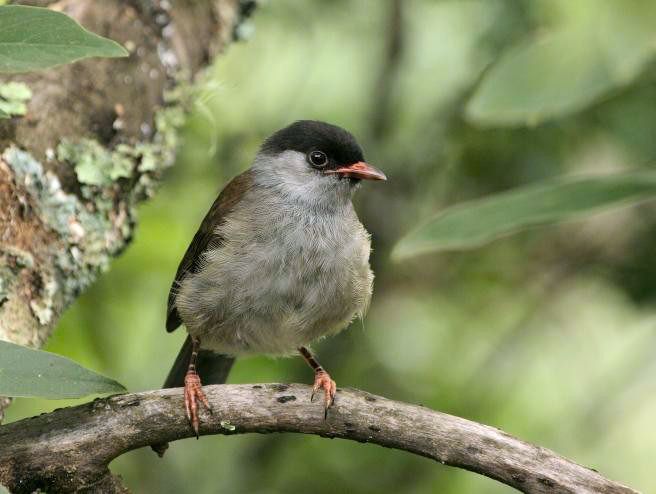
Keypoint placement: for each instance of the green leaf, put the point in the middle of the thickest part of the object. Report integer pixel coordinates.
(3, 114)
(474, 223)
(567, 70)
(26, 372)
(34, 38)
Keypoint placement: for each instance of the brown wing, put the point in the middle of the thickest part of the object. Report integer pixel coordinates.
(205, 237)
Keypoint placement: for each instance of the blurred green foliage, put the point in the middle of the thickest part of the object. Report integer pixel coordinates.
(549, 334)
(473, 223)
(587, 50)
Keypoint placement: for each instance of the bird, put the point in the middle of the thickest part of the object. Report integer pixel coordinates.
(280, 261)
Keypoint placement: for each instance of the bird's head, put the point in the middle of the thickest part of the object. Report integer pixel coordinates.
(314, 156)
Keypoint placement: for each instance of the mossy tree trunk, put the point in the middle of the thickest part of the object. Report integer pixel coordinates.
(86, 143)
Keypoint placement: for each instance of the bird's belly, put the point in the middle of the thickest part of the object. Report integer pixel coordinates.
(274, 298)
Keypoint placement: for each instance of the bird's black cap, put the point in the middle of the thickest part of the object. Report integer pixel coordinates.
(311, 135)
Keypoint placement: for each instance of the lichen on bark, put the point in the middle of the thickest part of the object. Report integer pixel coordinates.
(99, 168)
(87, 236)
(14, 97)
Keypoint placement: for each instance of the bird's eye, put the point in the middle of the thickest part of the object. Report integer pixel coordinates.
(318, 159)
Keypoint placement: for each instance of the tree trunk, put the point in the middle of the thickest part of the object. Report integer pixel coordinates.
(93, 142)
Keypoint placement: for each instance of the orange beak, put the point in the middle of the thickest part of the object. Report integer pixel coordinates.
(359, 170)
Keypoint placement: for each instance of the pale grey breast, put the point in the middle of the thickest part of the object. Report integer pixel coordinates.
(285, 275)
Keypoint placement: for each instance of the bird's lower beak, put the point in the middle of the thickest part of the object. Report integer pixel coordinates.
(360, 170)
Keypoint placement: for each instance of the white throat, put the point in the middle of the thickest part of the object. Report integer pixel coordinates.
(289, 174)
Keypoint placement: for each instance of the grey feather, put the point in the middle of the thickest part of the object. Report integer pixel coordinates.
(292, 266)
(205, 238)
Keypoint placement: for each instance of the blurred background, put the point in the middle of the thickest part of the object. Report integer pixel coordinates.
(549, 334)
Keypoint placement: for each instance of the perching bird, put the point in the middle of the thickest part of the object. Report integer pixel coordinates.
(279, 261)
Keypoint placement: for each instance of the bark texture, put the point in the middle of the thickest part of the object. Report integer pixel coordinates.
(69, 449)
(92, 141)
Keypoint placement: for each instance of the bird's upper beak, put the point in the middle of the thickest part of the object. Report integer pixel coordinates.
(360, 170)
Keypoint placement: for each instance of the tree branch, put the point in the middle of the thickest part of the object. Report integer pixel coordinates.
(69, 449)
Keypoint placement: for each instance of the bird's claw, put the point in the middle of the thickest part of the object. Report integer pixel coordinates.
(322, 380)
(193, 391)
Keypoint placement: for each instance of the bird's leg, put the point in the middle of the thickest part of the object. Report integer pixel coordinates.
(193, 388)
(322, 380)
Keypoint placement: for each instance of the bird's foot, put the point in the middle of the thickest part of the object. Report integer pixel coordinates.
(322, 380)
(193, 392)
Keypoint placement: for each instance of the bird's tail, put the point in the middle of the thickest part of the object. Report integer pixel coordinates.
(213, 368)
